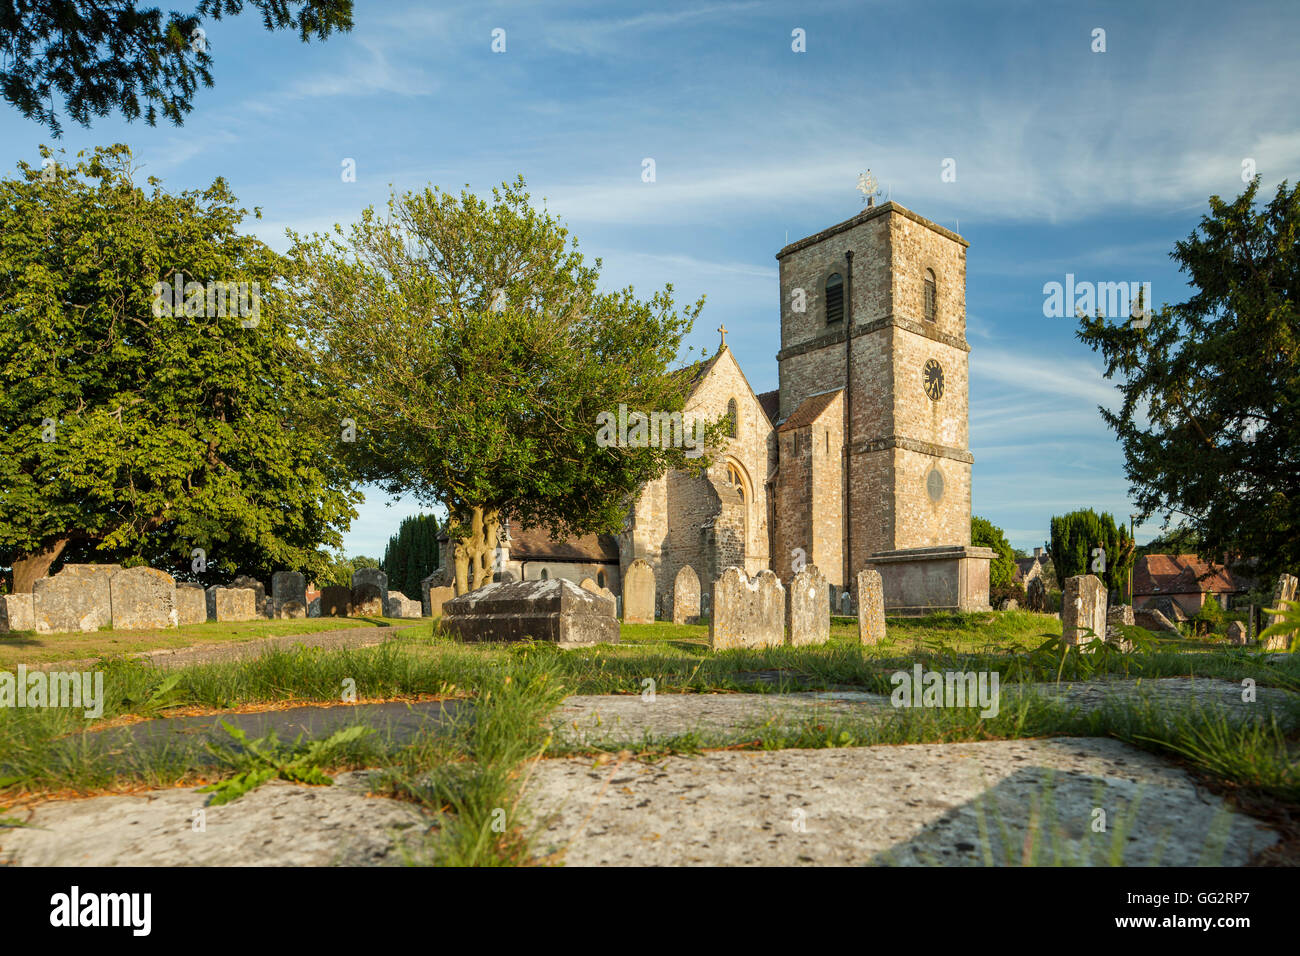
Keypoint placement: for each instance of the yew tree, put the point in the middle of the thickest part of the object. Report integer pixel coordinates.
(473, 350)
(132, 432)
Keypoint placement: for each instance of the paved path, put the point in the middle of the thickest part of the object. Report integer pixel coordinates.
(331, 640)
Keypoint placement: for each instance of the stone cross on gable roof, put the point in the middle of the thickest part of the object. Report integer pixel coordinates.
(722, 329)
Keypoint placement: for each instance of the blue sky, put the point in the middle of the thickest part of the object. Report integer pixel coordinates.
(1068, 161)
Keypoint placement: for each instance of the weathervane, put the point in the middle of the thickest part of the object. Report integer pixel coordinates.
(868, 186)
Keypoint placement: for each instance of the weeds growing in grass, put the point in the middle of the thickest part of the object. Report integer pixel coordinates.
(257, 761)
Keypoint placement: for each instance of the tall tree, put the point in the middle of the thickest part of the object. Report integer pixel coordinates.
(985, 534)
(1077, 535)
(475, 354)
(1210, 422)
(104, 55)
(412, 554)
(132, 429)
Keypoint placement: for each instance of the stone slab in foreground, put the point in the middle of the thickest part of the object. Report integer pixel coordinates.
(916, 805)
(278, 824)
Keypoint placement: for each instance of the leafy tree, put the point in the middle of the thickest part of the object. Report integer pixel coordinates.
(412, 554)
(337, 570)
(1175, 541)
(104, 55)
(1075, 535)
(1210, 422)
(475, 354)
(133, 431)
(985, 534)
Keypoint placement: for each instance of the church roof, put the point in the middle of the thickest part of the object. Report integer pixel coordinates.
(809, 410)
(771, 403)
(536, 544)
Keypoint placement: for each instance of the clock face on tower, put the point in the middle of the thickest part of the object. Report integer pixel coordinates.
(933, 378)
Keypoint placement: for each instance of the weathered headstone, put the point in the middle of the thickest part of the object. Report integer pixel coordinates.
(369, 592)
(808, 613)
(592, 587)
(871, 607)
(399, 605)
(1117, 618)
(16, 613)
(313, 607)
(233, 604)
(1010, 604)
(1036, 595)
(142, 599)
(846, 604)
(78, 598)
(639, 593)
(437, 597)
(434, 580)
(747, 612)
(1237, 633)
(259, 599)
(1152, 620)
(1083, 609)
(288, 586)
(557, 611)
(587, 584)
(335, 601)
(191, 604)
(1284, 590)
(686, 596)
(292, 610)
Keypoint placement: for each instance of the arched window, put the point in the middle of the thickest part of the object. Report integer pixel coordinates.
(734, 478)
(834, 298)
(931, 302)
(733, 419)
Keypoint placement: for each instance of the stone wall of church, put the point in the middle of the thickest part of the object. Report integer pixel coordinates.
(915, 248)
(921, 521)
(809, 495)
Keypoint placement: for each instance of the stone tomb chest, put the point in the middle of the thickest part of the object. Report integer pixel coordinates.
(556, 610)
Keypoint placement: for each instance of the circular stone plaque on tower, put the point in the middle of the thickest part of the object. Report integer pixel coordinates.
(934, 484)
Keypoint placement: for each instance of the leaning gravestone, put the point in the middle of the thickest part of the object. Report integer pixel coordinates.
(589, 585)
(747, 612)
(78, 598)
(1284, 590)
(233, 604)
(871, 607)
(142, 599)
(335, 601)
(639, 593)
(1083, 609)
(1036, 596)
(808, 613)
(288, 586)
(191, 604)
(686, 596)
(369, 592)
(556, 611)
(1237, 633)
(259, 599)
(1117, 618)
(16, 613)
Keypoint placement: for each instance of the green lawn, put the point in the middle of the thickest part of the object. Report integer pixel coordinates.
(28, 647)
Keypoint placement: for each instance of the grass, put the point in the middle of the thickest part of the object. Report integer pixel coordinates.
(469, 777)
(28, 647)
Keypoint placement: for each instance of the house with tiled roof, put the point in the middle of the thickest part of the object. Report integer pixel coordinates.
(1179, 584)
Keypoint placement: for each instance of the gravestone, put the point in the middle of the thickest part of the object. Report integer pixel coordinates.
(1010, 604)
(78, 598)
(639, 593)
(747, 612)
(686, 596)
(592, 587)
(191, 604)
(1116, 618)
(16, 613)
(1083, 608)
(556, 611)
(871, 607)
(846, 604)
(288, 586)
(142, 599)
(436, 599)
(233, 604)
(705, 597)
(1154, 621)
(432, 583)
(1237, 633)
(1036, 596)
(399, 605)
(335, 601)
(292, 610)
(1284, 590)
(259, 599)
(587, 584)
(369, 592)
(313, 607)
(807, 612)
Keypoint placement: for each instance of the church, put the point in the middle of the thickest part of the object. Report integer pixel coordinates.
(858, 460)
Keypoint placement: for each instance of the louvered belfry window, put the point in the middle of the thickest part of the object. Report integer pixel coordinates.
(834, 299)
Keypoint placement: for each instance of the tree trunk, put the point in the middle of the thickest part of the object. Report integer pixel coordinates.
(474, 553)
(30, 568)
